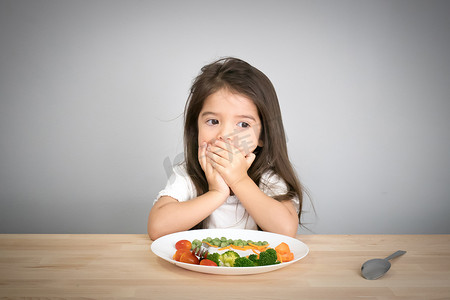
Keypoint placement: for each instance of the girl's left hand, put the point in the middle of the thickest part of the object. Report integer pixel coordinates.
(229, 161)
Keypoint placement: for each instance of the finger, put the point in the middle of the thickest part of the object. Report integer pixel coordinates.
(215, 166)
(235, 148)
(228, 149)
(226, 145)
(219, 151)
(216, 159)
(208, 168)
(202, 155)
(250, 158)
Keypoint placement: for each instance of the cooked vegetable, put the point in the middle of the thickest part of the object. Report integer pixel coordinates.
(286, 257)
(189, 257)
(215, 257)
(178, 254)
(183, 244)
(253, 257)
(236, 244)
(284, 254)
(268, 257)
(243, 262)
(282, 248)
(259, 247)
(228, 258)
(207, 262)
(195, 244)
(263, 256)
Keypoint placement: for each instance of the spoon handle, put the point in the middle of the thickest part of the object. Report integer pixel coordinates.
(396, 254)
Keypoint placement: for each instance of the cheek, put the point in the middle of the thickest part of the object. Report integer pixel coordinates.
(246, 141)
(204, 136)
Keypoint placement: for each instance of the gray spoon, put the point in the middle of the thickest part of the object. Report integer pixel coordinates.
(375, 268)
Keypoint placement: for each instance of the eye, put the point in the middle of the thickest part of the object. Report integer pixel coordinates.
(212, 122)
(243, 124)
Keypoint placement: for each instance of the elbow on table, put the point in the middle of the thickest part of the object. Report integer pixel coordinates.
(291, 231)
(153, 233)
(154, 230)
(288, 230)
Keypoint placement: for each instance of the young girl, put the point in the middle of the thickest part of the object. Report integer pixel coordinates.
(236, 172)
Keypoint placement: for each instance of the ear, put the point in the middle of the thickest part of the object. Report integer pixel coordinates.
(260, 143)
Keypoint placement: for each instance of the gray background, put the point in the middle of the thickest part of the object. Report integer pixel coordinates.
(92, 94)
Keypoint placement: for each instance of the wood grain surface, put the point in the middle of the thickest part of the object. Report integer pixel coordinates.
(123, 266)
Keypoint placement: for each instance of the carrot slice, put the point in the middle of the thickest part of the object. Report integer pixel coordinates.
(259, 248)
(209, 244)
(291, 256)
(284, 254)
(279, 258)
(243, 248)
(282, 248)
(285, 257)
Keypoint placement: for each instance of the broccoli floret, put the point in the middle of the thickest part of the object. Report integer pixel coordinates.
(228, 258)
(215, 257)
(253, 258)
(268, 257)
(243, 262)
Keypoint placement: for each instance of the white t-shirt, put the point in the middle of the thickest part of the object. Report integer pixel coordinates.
(231, 214)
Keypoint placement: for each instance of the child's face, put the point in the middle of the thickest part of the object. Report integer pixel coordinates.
(226, 115)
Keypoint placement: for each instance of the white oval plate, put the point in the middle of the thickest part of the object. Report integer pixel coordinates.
(164, 247)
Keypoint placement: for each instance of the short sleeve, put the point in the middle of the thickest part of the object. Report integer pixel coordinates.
(179, 186)
(273, 185)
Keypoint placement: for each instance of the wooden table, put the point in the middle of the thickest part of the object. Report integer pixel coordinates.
(123, 266)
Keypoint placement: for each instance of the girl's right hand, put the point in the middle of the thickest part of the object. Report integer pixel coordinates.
(215, 180)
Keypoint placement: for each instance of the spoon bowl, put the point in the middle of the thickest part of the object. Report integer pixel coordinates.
(377, 267)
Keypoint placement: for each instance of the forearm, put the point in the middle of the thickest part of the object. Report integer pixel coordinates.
(270, 214)
(171, 216)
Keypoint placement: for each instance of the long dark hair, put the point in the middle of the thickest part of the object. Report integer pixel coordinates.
(238, 76)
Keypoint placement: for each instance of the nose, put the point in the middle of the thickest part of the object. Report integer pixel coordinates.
(227, 131)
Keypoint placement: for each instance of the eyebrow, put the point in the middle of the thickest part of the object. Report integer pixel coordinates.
(247, 117)
(207, 113)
